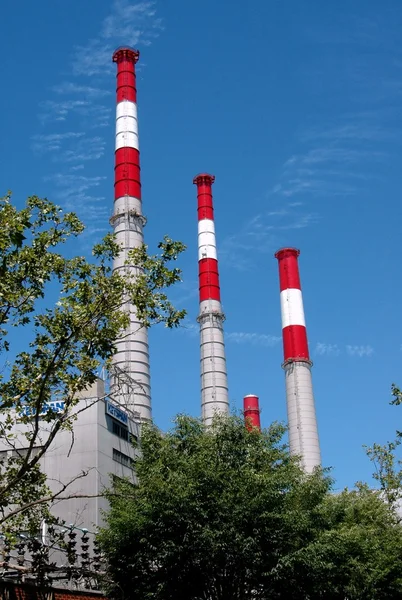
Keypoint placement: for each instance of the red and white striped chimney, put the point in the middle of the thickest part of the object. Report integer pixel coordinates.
(214, 384)
(251, 411)
(302, 421)
(131, 377)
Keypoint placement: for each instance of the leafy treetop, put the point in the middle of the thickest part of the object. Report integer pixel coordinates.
(65, 342)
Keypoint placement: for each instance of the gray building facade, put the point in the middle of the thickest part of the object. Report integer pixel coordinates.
(99, 447)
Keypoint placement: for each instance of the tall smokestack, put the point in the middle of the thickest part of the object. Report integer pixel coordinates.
(214, 383)
(302, 421)
(131, 378)
(251, 409)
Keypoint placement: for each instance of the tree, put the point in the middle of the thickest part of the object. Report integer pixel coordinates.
(355, 553)
(65, 341)
(387, 464)
(225, 513)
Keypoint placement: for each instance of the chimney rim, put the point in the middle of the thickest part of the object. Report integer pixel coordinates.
(204, 178)
(126, 52)
(285, 252)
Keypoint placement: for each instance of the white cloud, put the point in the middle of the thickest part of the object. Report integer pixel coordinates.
(129, 24)
(62, 179)
(360, 351)
(53, 141)
(127, 20)
(70, 147)
(50, 137)
(96, 115)
(256, 339)
(92, 230)
(262, 234)
(84, 150)
(256, 235)
(351, 131)
(324, 349)
(59, 111)
(236, 337)
(336, 156)
(69, 87)
(73, 189)
(300, 222)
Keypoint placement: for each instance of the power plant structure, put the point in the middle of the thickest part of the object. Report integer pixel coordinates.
(251, 411)
(130, 379)
(108, 421)
(302, 421)
(214, 380)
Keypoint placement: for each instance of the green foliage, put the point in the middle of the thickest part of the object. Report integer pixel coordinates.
(387, 464)
(152, 278)
(65, 343)
(397, 395)
(226, 513)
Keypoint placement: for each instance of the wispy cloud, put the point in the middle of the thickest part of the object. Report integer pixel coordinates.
(235, 249)
(69, 87)
(262, 233)
(342, 154)
(88, 148)
(76, 192)
(324, 349)
(52, 111)
(62, 178)
(127, 23)
(255, 339)
(236, 337)
(69, 147)
(94, 115)
(52, 141)
(368, 129)
(336, 157)
(83, 103)
(360, 351)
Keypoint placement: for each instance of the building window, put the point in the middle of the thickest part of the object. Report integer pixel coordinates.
(123, 459)
(120, 430)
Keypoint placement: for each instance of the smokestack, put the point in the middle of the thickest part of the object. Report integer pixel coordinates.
(251, 408)
(214, 384)
(131, 377)
(302, 421)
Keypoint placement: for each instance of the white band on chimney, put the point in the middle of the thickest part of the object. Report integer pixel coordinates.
(126, 203)
(206, 239)
(126, 125)
(292, 311)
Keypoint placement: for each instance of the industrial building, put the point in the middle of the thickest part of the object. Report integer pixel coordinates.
(103, 432)
(102, 445)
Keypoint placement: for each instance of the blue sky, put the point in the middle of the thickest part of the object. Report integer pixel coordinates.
(296, 108)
